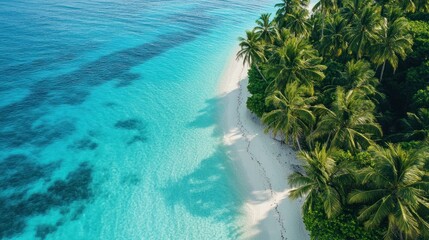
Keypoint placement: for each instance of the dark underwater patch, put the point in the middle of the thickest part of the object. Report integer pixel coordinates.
(135, 125)
(77, 212)
(67, 54)
(84, 144)
(39, 136)
(49, 133)
(61, 194)
(110, 104)
(131, 179)
(136, 139)
(127, 79)
(44, 230)
(17, 129)
(73, 88)
(129, 124)
(17, 171)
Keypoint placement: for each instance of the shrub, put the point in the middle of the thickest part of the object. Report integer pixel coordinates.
(343, 227)
(257, 87)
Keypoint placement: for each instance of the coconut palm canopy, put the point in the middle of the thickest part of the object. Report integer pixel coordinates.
(339, 83)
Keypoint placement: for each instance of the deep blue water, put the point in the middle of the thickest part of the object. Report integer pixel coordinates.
(108, 118)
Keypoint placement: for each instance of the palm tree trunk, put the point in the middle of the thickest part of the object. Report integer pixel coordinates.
(384, 63)
(329, 138)
(323, 23)
(359, 48)
(382, 71)
(297, 142)
(260, 73)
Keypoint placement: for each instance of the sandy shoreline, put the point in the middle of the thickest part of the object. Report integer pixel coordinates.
(262, 163)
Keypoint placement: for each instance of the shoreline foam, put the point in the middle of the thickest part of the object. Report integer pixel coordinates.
(262, 163)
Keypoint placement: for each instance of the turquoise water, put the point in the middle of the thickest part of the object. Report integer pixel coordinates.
(108, 118)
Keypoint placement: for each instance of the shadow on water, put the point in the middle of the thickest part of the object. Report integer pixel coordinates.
(206, 192)
(208, 116)
(18, 173)
(70, 195)
(197, 187)
(209, 191)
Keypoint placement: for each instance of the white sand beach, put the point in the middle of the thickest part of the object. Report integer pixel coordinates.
(263, 164)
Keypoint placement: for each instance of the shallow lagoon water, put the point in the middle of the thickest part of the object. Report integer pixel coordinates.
(108, 119)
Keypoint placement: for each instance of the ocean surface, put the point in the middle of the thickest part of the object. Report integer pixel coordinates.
(108, 118)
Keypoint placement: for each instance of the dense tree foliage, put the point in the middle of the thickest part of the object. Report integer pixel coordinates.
(348, 85)
(341, 227)
(291, 115)
(321, 181)
(393, 190)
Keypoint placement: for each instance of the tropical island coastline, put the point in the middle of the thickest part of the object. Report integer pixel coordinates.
(262, 163)
(347, 86)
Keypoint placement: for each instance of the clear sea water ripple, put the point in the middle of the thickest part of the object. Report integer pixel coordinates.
(108, 118)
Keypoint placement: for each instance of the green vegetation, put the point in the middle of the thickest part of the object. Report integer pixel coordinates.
(348, 86)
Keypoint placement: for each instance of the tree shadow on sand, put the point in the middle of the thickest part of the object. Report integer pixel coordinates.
(206, 192)
(279, 210)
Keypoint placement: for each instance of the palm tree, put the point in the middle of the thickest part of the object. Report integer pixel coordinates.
(394, 40)
(334, 41)
(321, 182)
(325, 7)
(252, 51)
(359, 76)
(392, 12)
(422, 5)
(265, 28)
(289, 6)
(280, 38)
(395, 191)
(417, 124)
(298, 23)
(295, 61)
(349, 124)
(408, 5)
(352, 9)
(414, 5)
(364, 29)
(291, 115)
